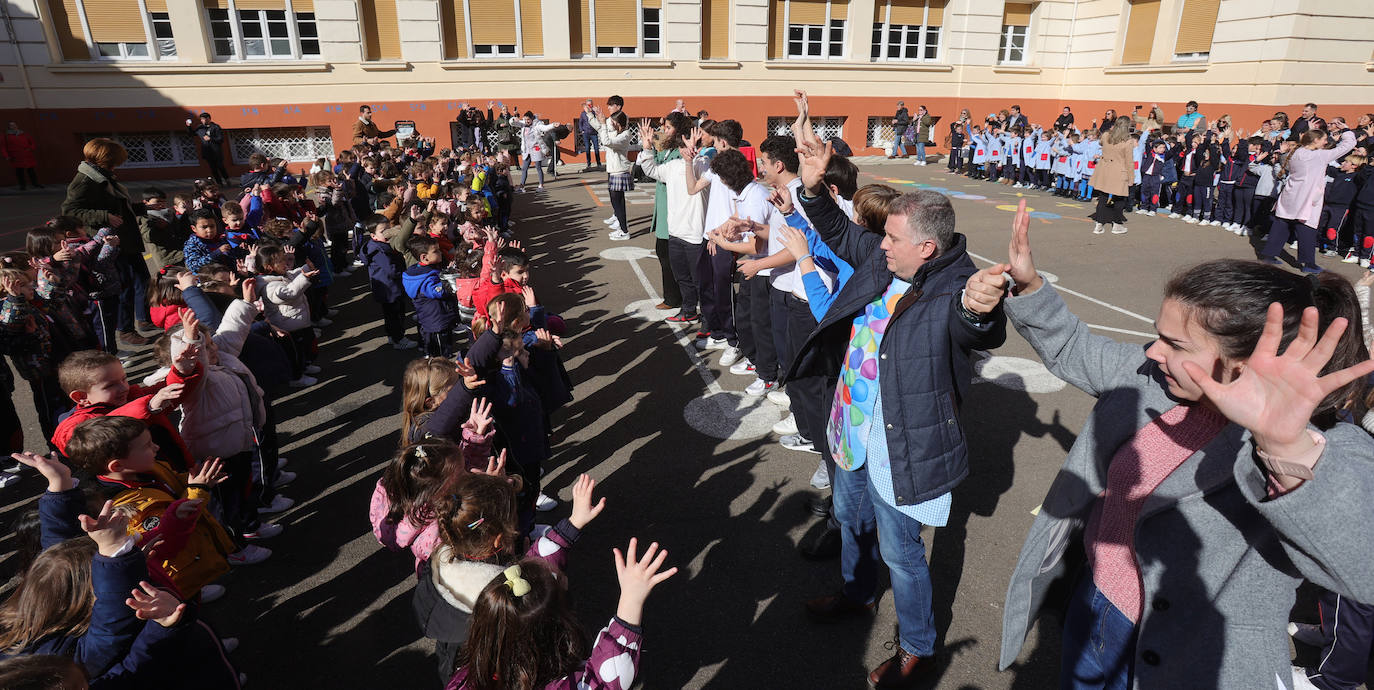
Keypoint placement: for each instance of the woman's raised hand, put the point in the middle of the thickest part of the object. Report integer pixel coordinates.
(1019, 263)
(1275, 394)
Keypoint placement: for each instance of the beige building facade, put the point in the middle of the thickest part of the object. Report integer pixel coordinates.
(287, 76)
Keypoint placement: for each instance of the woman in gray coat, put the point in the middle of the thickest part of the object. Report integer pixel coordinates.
(1212, 477)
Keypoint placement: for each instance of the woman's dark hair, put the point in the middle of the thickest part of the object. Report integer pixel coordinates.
(733, 169)
(43, 241)
(415, 479)
(682, 124)
(1311, 136)
(524, 642)
(473, 512)
(843, 175)
(1230, 299)
(620, 120)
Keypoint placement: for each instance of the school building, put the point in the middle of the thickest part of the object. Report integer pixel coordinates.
(286, 77)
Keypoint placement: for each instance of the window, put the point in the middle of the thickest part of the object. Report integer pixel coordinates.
(652, 31)
(907, 30)
(1195, 28)
(1016, 18)
(156, 149)
(118, 29)
(295, 144)
(492, 29)
(263, 34)
(812, 41)
(1140, 32)
(880, 132)
(808, 29)
(489, 50)
(826, 127)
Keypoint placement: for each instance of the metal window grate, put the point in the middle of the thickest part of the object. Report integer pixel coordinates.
(295, 144)
(826, 127)
(155, 149)
(880, 131)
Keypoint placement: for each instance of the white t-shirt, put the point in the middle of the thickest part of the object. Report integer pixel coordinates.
(787, 278)
(752, 204)
(717, 196)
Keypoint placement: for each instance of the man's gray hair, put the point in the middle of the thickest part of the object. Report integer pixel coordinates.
(929, 216)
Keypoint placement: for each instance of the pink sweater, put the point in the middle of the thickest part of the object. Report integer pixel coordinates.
(1135, 472)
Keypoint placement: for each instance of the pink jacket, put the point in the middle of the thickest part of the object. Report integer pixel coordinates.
(424, 539)
(1305, 186)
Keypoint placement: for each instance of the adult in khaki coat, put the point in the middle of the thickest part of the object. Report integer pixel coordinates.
(1113, 176)
(365, 131)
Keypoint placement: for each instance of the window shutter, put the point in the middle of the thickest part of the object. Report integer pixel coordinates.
(580, 24)
(297, 6)
(216, 4)
(1140, 32)
(67, 25)
(651, 4)
(1195, 27)
(382, 37)
(112, 21)
(532, 26)
(161, 5)
(777, 43)
(455, 33)
(807, 12)
(909, 12)
(263, 4)
(1016, 14)
(493, 22)
(616, 23)
(715, 22)
(936, 16)
(839, 10)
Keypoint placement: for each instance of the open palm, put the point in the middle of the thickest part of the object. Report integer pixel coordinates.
(1275, 394)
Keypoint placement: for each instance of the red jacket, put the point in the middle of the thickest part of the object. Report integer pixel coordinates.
(486, 290)
(174, 453)
(19, 149)
(166, 316)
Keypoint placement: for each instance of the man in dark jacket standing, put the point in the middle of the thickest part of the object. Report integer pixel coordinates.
(900, 122)
(905, 335)
(211, 138)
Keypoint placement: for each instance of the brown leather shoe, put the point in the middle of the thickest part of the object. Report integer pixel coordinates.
(663, 306)
(134, 338)
(903, 670)
(836, 607)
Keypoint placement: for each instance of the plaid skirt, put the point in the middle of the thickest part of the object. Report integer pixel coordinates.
(620, 182)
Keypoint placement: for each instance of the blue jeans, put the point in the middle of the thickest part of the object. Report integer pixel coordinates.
(899, 146)
(133, 299)
(1098, 643)
(921, 151)
(863, 516)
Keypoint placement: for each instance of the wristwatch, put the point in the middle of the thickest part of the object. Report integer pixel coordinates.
(969, 316)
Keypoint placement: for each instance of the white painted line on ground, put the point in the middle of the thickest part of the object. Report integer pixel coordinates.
(1060, 287)
(682, 337)
(1126, 331)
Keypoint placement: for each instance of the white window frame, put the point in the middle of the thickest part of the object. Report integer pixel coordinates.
(153, 21)
(827, 42)
(245, 142)
(1201, 56)
(923, 34)
(236, 39)
(644, 24)
(149, 43)
(1009, 36)
(185, 151)
(493, 51)
(613, 52)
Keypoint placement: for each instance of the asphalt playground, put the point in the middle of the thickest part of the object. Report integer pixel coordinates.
(683, 458)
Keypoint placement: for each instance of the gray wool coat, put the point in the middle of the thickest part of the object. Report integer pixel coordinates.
(1218, 560)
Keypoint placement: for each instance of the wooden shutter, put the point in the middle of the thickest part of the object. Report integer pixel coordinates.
(66, 23)
(493, 22)
(216, 4)
(382, 37)
(267, 4)
(715, 23)
(651, 4)
(1196, 25)
(936, 16)
(1140, 32)
(839, 10)
(910, 12)
(156, 5)
(115, 21)
(532, 26)
(580, 26)
(616, 23)
(1016, 14)
(807, 12)
(454, 31)
(299, 6)
(777, 38)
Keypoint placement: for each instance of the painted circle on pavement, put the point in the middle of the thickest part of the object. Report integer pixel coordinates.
(644, 309)
(734, 416)
(626, 253)
(968, 197)
(1043, 215)
(1016, 373)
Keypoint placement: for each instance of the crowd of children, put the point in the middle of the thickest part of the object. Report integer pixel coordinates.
(1207, 174)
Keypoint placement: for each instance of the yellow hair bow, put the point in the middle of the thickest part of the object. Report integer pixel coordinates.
(519, 586)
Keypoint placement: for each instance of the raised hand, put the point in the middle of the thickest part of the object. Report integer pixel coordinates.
(781, 199)
(209, 473)
(471, 380)
(250, 291)
(543, 339)
(152, 604)
(59, 476)
(985, 289)
(584, 511)
(107, 529)
(166, 397)
(186, 280)
(1275, 394)
(794, 240)
(527, 292)
(638, 576)
(814, 157)
(1020, 265)
(479, 420)
(496, 465)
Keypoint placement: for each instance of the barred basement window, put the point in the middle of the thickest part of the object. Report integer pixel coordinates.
(295, 144)
(880, 132)
(156, 149)
(826, 127)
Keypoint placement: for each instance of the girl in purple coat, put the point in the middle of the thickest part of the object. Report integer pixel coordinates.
(1300, 204)
(524, 637)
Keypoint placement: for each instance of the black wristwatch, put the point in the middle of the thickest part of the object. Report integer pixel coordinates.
(969, 316)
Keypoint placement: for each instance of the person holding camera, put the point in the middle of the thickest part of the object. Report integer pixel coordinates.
(210, 137)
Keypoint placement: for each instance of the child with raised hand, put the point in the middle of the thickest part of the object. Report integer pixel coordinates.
(479, 534)
(384, 267)
(433, 405)
(523, 634)
(165, 302)
(56, 265)
(287, 308)
(402, 507)
(25, 336)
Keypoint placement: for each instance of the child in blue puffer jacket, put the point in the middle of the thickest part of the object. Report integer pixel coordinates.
(436, 306)
(384, 267)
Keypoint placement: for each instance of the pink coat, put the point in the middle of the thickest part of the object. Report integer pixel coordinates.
(1305, 187)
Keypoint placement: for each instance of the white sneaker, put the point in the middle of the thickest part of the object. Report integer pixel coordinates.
(1308, 634)
(303, 382)
(1174, 215)
(1351, 257)
(1141, 211)
(229, 644)
(1016, 186)
(266, 530)
(1098, 229)
(712, 344)
(211, 592)
(1190, 220)
(1364, 263)
(279, 503)
(1118, 229)
(322, 323)
(283, 478)
(620, 235)
(779, 398)
(545, 503)
(798, 442)
(820, 479)
(611, 221)
(358, 263)
(1215, 222)
(741, 367)
(404, 344)
(1149, 213)
(251, 554)
(1293, 244)
(312, 369)
(758, 387)
(730, 356)
(788, 425)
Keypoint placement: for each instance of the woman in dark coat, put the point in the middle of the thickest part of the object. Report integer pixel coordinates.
(99, 200)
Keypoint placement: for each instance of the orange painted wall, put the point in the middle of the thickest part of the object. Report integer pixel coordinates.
(59, 131)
